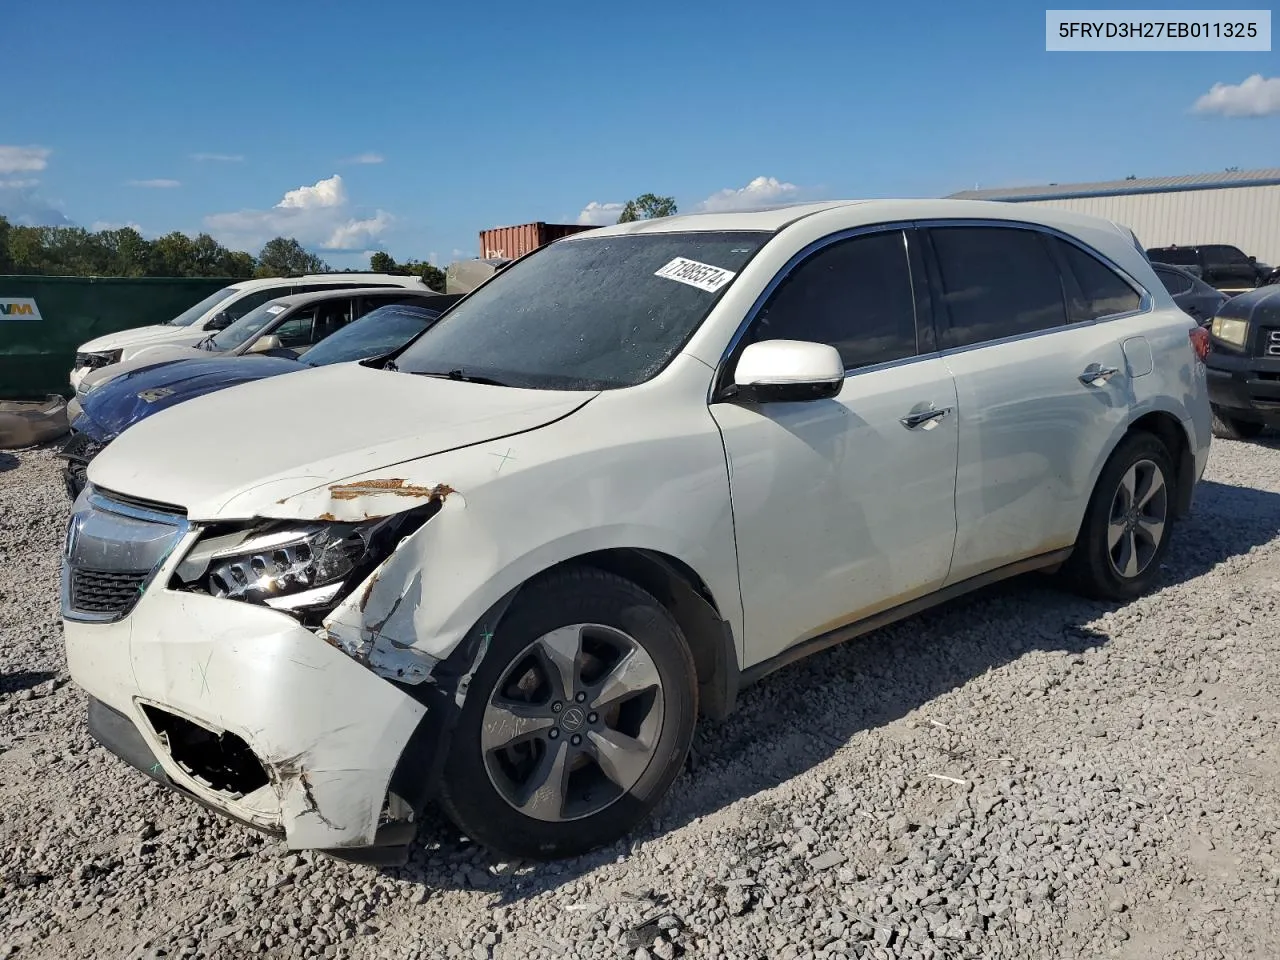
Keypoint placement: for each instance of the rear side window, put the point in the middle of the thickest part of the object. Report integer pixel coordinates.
(1180, 256)
(1220, 253)
(854, 295)
(1105, 292)
(996, 282)
(1176, 283)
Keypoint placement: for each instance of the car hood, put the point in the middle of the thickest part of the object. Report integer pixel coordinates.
(141, 393)
(160, 333)
(245, 451)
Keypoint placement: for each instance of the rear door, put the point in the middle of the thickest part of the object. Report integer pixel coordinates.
(1040, 387)
(844, 507)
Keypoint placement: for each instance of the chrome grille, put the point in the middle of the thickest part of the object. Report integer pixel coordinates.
(112, 551)
(1273, 343)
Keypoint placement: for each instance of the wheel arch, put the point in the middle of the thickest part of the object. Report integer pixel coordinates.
(1171, 432)
(689, 600)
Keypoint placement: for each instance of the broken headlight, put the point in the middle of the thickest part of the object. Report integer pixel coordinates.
(97, 359)
(300, 567)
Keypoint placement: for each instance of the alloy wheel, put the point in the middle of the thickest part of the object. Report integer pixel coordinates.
(1136, 525)
(573, 722)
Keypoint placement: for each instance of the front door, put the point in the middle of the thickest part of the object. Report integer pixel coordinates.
(841, 509)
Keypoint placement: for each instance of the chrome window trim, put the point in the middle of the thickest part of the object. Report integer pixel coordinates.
(1146, 302)
(181, 525)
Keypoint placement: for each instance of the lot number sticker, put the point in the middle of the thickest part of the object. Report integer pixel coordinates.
(695, 274)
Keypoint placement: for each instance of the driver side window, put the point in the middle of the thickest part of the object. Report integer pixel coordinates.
(297, 330)
(854, 295)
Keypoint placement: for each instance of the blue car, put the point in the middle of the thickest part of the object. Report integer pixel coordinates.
(122, 402)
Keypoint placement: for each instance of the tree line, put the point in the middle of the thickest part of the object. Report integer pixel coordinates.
(77, 252)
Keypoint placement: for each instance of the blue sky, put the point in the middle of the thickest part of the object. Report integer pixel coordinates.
(236, 118)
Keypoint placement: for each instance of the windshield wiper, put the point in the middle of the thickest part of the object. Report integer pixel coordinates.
(463, 376)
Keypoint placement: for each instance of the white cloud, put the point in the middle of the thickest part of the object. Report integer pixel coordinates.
(356, 234)
(364, 158)
(23, 159)
(323, 193)
(160, 184)
(318, 215)
(600, 214)
(759, 192)
(18, 184)
(1255, 97)
(218, 157)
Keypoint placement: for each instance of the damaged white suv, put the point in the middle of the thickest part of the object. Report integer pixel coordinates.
(639, 468)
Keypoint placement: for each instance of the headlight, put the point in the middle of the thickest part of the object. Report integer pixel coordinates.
(98, 359)
(300, 567)
(1230, 331)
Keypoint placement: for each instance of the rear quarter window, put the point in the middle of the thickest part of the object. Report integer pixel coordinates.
(1104, 293)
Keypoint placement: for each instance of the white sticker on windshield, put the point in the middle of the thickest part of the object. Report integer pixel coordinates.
(277, 308)
(695, 274)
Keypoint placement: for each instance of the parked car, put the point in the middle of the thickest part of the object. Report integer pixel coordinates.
(283, 327)
(635, 470)
(1192, 295)
(218, 311)
(1218, 264)
(1244, 364)
(141, 393)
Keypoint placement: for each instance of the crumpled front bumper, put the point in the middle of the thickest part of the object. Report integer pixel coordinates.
(327, 731)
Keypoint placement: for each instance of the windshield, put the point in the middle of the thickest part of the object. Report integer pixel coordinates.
(248, 326)
(595, 313)
(377, 332)
(189, 316)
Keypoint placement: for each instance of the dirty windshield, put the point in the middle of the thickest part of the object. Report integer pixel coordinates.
(247, 327)
(594, 313)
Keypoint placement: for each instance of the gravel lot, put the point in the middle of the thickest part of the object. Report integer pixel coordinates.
(1018, 774)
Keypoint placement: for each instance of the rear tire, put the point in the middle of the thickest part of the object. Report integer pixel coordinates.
(577, 721)
(1227, 427)
(1128, 523)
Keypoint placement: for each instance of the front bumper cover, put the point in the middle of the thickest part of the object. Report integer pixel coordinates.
(329, 733)
(1248, 386)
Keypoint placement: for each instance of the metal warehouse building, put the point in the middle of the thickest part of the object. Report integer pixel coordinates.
(1240, 207)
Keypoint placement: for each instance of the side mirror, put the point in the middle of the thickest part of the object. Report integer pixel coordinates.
(219, 321)
(1253, 259)
(265, 344)
(788, 371)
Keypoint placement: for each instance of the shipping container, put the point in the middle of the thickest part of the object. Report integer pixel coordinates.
(512, 242)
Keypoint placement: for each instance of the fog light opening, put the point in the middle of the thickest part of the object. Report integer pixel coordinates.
(222, 762)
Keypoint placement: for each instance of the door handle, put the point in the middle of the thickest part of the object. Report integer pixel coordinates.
(1096, 374)
(927, 419)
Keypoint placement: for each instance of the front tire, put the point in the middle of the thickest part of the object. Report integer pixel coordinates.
(577, 721)
(1227, 427)
(1127, 526)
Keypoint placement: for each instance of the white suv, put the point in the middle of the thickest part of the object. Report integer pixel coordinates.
(638, 469)
(218, 311)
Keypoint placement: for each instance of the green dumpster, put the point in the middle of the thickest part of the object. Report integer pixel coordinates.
(44, 319)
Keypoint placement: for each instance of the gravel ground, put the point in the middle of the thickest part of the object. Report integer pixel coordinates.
(1018, 774)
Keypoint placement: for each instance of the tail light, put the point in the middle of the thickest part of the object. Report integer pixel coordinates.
(1199, 342)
